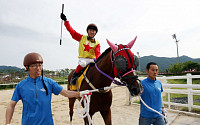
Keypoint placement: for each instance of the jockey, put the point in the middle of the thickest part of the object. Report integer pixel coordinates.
(89, 47)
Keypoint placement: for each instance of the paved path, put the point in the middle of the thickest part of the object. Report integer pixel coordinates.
(183, 119)
(174, 118)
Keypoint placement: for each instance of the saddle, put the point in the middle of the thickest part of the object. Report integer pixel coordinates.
(79, 80)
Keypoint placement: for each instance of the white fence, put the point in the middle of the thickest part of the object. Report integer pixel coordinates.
(167, 89)
(13, 83)
(189, 90)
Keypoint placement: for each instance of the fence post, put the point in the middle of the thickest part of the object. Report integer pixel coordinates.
(169, 106)
(190, 95)
(128, 97)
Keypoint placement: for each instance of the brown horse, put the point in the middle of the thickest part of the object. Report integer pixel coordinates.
(116, 61)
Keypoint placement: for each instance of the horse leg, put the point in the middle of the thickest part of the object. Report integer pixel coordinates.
(86, 118)
(71, 107)
(106, 114)
(86, 121)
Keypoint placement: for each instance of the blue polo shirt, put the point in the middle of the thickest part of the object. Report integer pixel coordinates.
(152, 97)
(36, 104)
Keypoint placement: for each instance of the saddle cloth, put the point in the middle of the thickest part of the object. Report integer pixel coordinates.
(78, 81)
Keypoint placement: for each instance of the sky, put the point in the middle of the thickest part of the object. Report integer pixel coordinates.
(35, 26)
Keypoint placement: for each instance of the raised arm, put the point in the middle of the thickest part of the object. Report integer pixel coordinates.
(75, 35)
(97, 51)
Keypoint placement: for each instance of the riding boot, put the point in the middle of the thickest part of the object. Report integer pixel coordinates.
(74, 78)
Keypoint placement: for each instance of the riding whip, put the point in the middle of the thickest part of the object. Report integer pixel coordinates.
(61, 25)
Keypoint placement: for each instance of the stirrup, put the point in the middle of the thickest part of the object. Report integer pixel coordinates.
(73, 80)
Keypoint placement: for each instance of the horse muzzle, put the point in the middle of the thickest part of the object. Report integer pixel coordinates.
(134, 86)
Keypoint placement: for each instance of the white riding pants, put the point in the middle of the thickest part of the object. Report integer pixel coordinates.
(83, 62)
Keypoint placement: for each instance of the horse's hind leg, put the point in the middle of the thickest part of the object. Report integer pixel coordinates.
(106, 114)
(71, 107)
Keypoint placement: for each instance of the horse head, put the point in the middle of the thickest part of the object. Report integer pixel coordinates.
(125, 64)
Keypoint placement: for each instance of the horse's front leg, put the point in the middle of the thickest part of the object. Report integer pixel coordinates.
(86, 121)
(106, 114)
(86, 118)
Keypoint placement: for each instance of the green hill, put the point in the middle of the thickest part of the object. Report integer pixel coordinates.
(163, 62)
(9, 68)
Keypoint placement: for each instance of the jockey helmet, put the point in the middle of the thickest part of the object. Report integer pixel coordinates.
(92, 26)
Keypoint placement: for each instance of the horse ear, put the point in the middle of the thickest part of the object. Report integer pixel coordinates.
(112, 46)
(130, 44)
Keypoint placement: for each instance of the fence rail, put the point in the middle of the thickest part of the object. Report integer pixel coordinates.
(168, 89)
(189, 90)
(13, 83)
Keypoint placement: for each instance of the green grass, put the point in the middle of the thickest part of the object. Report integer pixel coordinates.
(195, 97)
(195, 81)
(60, 79)
(172, 95)
(6, 87)
(138, 102)
(177, 81)
(193, 110)
(183, 81)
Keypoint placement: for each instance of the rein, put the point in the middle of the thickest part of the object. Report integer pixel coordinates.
(114, 81)
(86, 98)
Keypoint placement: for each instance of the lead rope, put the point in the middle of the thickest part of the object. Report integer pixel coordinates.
(85, 111)
(86, 104)
(165, 118)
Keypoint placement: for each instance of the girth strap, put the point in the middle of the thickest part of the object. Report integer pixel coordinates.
(101, 90)
(88, 81)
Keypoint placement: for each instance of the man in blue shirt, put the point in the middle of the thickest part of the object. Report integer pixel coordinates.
(152, 97)
(35, 93)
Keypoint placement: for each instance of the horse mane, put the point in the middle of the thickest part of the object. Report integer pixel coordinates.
(103, 54)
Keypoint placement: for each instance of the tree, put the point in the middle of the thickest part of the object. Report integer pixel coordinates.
(175, 68)
(189, 66)
(178, 68)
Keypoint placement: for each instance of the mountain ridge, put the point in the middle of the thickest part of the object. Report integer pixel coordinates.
(163, 62)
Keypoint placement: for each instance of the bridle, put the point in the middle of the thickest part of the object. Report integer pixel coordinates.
(121, 75)
(128, 68)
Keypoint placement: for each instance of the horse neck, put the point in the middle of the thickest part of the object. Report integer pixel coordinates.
(105, 65)
(96, 78)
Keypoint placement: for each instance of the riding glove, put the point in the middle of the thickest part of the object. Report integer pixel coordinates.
(63, 17)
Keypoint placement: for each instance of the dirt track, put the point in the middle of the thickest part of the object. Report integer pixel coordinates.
(121, 114)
